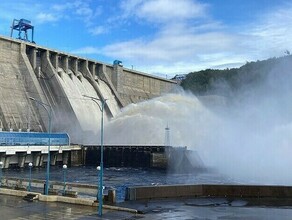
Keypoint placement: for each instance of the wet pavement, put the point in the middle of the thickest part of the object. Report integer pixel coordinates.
(210, 209)
(16, 208)
(189, 209)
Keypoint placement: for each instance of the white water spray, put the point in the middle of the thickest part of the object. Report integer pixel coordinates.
(144, 123)
(247, 138)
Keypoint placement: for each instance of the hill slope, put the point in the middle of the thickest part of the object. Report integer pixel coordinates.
(231, 81)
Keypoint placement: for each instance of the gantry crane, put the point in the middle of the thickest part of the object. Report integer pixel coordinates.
(22, 26)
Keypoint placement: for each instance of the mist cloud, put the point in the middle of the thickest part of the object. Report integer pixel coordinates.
(246, 136)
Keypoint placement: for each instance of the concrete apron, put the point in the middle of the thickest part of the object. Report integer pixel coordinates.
(56, 198)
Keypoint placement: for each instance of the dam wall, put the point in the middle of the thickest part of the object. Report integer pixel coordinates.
(134, 86)
(61, 80)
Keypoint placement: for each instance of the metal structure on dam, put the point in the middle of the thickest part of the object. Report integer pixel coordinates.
(61, 80)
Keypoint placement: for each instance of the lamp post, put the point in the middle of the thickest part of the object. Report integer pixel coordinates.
(103, 101)
(98, 173)
(29, 184)
(1, 166)
(48, 109)
(64, 178)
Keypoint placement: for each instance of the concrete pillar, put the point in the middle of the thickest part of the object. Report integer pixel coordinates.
(42, 158)
(73, 64)
(100, 70)
(85, 69)
(65, 157)
(92, 67)
(28, 158)
(53, 158)
(55, 60)
(111, 196)
(21, 159)
(32, 57)
(65, 63)
(76, 158)
(7, 161)
(2, 158)
(118, 78)
(36, 158)
(59, 157)
(59, 61)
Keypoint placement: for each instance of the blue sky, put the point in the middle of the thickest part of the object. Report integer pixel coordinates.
(162, 37)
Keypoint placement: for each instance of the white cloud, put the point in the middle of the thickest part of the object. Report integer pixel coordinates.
(161, 11)
(128, 7)
(165, 10)
(84, 11)
(174, 49)
(169, 48)
(61, 7)
(175, 43)
(98, 30)
(46, 17)
(15, 9)
(87, 50)
(271, 34)
(46, 12)
(195, 41)
(81, 10)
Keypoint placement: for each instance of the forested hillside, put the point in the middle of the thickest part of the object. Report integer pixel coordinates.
(230, 81)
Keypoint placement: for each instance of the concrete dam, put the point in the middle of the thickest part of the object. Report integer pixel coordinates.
(61, 80)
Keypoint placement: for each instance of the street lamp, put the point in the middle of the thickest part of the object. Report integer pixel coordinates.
(1, 166)
(29, 184)
(103, 101)
(64, 178)
(48, 109)
(98, 173)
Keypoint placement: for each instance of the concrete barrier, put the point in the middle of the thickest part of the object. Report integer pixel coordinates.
(57, 188)
(15, 192)
(189, 191)
(70, 193)
(56, 198)
(14, 182)
(168, 191)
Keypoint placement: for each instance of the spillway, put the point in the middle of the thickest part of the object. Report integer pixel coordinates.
(61, 80)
